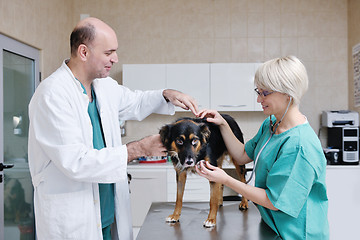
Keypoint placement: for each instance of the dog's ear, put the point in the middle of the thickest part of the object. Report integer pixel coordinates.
(165, 134)
(205, 132)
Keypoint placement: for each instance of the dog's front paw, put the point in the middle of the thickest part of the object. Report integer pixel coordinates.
(210, 223)
(173, 218)
(243, 205)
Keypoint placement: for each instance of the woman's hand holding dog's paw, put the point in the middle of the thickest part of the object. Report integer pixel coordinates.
(212, 173)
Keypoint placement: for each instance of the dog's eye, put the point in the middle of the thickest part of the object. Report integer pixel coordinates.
(195, 141)
(179, 142)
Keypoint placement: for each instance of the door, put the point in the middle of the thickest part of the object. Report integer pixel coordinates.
(19, 75)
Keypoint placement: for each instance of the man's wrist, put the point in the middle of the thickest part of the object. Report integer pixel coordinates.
(164, 95)
(134, 150)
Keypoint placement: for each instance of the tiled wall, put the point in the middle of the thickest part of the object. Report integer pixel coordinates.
(354, 38)
(45, 25)
(188, 31)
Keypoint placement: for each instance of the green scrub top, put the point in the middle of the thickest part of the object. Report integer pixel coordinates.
(106, 191)
(291, 169)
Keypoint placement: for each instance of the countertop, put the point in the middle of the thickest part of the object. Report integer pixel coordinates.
(168, 165)
(231, 223)
(226, 165)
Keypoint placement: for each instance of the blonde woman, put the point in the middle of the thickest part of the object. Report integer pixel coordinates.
(290, 189)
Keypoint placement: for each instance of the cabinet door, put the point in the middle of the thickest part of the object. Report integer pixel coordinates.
(257, 106)
(192, 79)
(147, 186)
(232, 86)
(343, 184)
(144, 76)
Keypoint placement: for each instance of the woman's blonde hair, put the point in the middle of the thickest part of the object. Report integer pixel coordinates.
(285, 75)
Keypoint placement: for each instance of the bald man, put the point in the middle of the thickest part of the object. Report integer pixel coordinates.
(77, 161)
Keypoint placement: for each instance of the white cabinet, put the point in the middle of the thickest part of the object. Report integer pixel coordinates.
(147, 186)
(220, 86)
(232, 86)
(144, 76)
(257, 106)
(343, 188)
(192, 79)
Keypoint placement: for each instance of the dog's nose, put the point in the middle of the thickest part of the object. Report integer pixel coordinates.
(189, 162)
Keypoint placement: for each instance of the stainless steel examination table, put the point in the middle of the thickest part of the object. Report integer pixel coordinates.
(231, 223)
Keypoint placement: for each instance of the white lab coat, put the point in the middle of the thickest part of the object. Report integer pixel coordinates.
(65, 168)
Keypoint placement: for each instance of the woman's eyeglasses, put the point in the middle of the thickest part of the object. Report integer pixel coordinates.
(263, 93)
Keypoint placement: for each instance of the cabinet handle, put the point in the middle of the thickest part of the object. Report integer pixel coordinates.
(143, 178)
(227, 105)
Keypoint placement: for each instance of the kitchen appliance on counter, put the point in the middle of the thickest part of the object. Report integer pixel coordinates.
(343, 137)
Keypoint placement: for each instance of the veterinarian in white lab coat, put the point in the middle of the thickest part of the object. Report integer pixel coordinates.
(65, 167)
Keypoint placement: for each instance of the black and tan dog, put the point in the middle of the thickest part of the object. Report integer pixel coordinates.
(190, 140)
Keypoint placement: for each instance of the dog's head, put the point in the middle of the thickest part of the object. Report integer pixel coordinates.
(184, 140)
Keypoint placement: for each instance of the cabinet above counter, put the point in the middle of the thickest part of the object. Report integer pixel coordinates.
(219, 86)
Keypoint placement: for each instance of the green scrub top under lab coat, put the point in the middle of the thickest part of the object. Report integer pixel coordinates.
(106, 191)
(291, 169)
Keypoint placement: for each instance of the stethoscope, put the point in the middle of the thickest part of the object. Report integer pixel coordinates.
(272, 128)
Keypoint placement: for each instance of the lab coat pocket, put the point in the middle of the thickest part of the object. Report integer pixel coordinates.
(67, 215)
